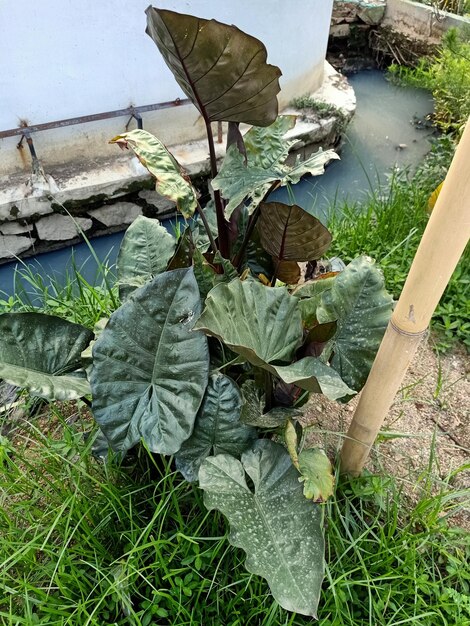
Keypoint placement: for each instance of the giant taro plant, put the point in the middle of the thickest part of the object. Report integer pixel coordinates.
(210, 357)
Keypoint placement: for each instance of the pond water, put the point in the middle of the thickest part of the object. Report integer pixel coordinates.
(383, 122)
(381, 135)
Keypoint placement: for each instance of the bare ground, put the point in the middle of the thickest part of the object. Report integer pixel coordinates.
(428, 424)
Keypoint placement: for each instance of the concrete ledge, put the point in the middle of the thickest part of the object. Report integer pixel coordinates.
(419, 21)
(88, 189)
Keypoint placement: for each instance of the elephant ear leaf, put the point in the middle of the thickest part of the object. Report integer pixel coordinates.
(42, 353)
(218, 428)
(361, 307)
(263, 325)
(219, 67)
(260, 323)
(171, 181)
(289, 233)
(150, 369)
(280, 531)
(145, 251)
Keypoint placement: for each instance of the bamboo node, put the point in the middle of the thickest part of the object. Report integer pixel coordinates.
(407, 333)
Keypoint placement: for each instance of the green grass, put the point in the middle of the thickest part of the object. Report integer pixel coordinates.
(71, 297)
(388, 226)
(447, 76)
(323, 110)
(86, 543)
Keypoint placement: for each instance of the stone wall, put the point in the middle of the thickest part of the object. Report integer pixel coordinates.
(375, 33)
(351, 24)
(103, 196)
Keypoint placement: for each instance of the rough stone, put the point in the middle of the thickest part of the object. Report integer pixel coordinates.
(119, 213)
(61, 227)
(340, 30)
(345, 10)
(155, 199)
(13, 245)
(371, 13)
(15, 228)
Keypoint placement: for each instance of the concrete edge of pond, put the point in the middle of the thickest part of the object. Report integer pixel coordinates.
(32, 215)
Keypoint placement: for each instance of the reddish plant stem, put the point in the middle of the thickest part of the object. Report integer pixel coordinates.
(251, 225)
(224, 244)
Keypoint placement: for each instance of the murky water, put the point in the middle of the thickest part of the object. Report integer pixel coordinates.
(382, 123)
(381, 135)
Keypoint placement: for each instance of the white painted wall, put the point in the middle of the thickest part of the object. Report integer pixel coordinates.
(67, 58)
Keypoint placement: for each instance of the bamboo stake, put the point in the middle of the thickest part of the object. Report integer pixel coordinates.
(439, 251)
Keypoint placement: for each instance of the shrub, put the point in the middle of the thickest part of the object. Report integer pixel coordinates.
(209, 358)
(447, 75)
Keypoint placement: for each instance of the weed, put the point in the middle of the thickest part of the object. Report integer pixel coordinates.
(321, 109)
(388, 225)
(82, 542)
(447, 75)
(71, 297)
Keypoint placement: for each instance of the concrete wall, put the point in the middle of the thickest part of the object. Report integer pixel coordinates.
(418, 21)
(63, 58)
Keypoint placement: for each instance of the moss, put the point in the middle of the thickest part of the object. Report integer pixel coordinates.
(78, 207)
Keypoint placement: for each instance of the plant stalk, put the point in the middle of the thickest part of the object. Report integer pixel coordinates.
(224, 243)
(236, 262)
(238, 258)
(203, 217)
(441, 247)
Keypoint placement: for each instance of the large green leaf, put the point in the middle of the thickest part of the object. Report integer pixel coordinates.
(239, 181)
(150, 369)
(145, 251)
(218, 428)
(41, 353)
(222, 69)
(266, 146)
(361, 307)
(313, 288)
(280, 531)
(289, 233)
(313, 375)
(171, 181)
(262, 324)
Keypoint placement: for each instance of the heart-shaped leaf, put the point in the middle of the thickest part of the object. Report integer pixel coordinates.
(41, 353)
(150, 369)
(171, 181)
(289, 233)
(145, 251)
(280, 531)
(267, 146)
(313, 375)
(361, 306)
(218, 428)
(261, 323)
(222, 69)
